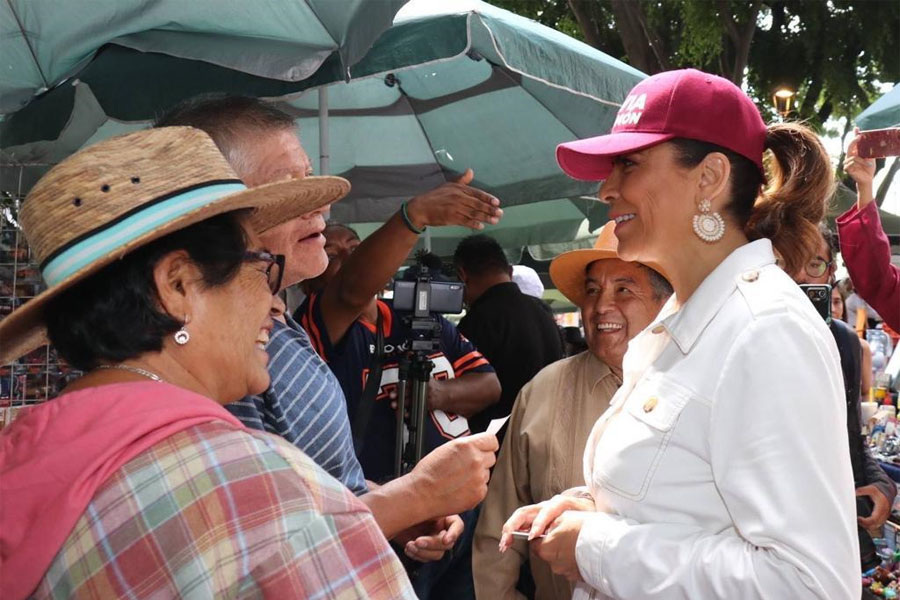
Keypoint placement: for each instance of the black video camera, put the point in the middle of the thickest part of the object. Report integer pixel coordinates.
(420, 298)
(424, 294)
(425, 290)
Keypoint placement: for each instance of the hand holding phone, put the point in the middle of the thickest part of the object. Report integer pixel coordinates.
(820, 296)
(878, 143)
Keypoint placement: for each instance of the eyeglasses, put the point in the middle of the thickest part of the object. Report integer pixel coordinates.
(816, 267)
(274, 270)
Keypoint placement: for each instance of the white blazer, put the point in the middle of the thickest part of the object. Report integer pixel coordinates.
(722, 469)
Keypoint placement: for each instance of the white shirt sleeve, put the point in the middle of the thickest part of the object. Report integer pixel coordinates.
(780, 461)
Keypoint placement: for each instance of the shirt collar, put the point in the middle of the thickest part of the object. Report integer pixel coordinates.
(386, 319)
(597, 370)
(686, 325)
(288, 322)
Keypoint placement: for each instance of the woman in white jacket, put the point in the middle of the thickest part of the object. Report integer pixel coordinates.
(720, 469)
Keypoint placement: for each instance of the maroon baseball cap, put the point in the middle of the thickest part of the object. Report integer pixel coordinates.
(674, 104)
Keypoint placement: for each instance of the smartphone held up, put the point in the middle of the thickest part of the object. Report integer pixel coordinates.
(820, 296)
(878, 143)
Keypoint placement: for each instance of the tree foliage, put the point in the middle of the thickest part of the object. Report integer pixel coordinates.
(833, 53)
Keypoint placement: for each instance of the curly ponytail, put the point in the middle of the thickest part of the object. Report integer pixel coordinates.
(788, 211)
(790, 208)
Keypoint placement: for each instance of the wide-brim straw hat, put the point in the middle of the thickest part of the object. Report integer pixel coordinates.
(569, 270)
(122, 193)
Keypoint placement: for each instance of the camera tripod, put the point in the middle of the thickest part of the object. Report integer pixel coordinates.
(412, 388)
(414, 372)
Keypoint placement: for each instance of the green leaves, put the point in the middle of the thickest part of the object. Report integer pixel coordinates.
(832, 53)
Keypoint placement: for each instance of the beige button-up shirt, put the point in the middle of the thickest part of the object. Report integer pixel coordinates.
(541, 456)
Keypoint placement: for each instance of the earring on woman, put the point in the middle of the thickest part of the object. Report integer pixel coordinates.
(182, 336)
(709, 227)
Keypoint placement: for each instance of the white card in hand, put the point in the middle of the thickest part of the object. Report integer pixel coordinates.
(524, 535)
(495, 425)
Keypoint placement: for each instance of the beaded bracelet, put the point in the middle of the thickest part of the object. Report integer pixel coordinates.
(408, 222)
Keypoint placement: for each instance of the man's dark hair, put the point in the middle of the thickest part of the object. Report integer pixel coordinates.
(432, 262)
(226, 118)
(662, 289)
(339, 225)
(659, 285)
(480, 254)
(114, 314)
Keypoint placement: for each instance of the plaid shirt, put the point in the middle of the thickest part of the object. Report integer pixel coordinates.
(217, 512)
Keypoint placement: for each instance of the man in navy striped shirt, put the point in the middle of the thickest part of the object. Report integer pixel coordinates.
(304, 402)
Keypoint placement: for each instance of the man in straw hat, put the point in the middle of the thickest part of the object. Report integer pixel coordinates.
(554, 413)
(305, 404)
(135, 481)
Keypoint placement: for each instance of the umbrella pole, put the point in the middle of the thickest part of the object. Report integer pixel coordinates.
(324, 159)
(428, 240)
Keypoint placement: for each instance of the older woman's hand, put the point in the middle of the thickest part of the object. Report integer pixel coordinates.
(557, 547)
(537, 517)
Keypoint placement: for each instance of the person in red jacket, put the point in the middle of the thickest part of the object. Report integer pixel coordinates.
(864, 245)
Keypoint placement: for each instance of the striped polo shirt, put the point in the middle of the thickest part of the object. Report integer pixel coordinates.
(305, 405)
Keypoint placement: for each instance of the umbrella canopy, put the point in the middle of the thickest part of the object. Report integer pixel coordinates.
(482, 89)
(436, 94)
(44, 42)
(884, 112)
(844, 198)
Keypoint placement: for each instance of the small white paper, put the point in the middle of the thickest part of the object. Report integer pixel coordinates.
(495, 425)
(524, 535)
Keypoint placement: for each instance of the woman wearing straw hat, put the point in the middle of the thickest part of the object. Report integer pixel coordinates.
(135, 481)
(720, 469)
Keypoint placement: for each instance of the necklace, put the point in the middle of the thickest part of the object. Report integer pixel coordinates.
(138, 370)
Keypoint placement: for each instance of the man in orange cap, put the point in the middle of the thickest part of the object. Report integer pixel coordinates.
(554, 413)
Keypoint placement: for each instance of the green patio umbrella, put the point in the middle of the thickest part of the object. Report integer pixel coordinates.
(76, 72)
(844, 198)
(437, 93)
(480, 88)
(45, 42)
(884, 112)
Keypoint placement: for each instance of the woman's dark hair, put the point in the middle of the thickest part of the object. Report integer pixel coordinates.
(115, 314)
(793, 203)
(831, 240)
(843, 293)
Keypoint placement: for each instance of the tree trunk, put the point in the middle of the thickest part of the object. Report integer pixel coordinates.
(740, 36)
(808, 108)
(637, 40)
(825, 110)
(886, 182)
(841, 176)
(586, 23)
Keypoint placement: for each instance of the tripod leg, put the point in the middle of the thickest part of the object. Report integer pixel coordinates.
(398, 439)
(420, 398)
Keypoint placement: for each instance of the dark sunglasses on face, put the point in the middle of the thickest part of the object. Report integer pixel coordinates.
(274, 269)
